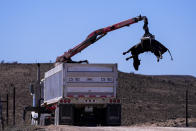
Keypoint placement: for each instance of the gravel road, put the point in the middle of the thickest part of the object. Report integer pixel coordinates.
(121, 128)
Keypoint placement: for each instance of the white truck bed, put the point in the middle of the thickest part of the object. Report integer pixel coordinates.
(80, 80)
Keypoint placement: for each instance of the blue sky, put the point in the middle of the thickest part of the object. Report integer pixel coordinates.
(40, 30)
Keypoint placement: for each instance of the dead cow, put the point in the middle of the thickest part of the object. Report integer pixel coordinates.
(146, 45)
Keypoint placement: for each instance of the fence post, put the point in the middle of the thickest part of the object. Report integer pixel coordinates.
(1, 116)
(14, 105)
(7, 113)
(187, 108)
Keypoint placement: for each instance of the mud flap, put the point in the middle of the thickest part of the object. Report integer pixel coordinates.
(113, 117)
(64, 114)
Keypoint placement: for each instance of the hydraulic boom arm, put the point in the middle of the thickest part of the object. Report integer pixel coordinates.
(98, 34)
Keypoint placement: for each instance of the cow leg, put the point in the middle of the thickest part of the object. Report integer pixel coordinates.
(124, 53)
(161, 57)
(136, 62)
(158, 58)
(129, 58)
(83, 61)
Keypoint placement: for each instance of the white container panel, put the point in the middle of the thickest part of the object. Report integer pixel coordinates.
(53, 83)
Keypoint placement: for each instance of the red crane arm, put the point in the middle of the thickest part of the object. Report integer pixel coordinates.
(95, 36)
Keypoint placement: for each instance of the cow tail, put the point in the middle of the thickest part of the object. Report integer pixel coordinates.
(170, 54)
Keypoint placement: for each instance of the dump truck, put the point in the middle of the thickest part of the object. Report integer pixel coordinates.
(82, 94)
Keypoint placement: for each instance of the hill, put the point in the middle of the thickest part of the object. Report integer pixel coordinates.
(149, 100)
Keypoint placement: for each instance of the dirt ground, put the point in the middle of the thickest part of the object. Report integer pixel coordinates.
(122, 128)
(119, 128)
(170, 125)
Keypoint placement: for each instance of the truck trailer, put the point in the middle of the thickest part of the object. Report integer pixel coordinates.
(81, 94)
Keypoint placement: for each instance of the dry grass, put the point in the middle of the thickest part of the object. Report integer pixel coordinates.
(145, 99)
(20, 75)
(155, 98)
